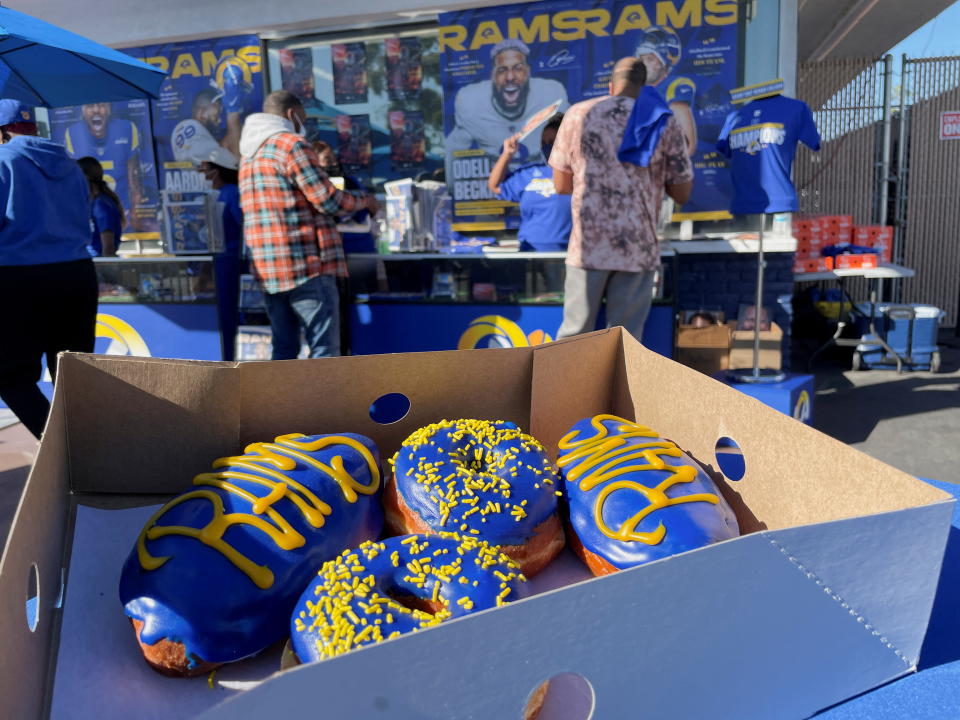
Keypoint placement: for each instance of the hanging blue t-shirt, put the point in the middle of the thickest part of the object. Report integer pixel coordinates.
(545, 220)
(106, 218)
(761, 139)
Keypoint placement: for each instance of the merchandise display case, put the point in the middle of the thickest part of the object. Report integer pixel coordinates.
(159, 307)
(418, 302)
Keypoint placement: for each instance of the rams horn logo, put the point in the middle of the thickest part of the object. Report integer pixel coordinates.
(802, 410)
(227, 64)
(124, 340)
(489, 331)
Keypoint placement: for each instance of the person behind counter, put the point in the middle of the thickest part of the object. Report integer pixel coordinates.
(106, 210)
(219, 168)
(545, 219)
(48, 285)
(353, 242)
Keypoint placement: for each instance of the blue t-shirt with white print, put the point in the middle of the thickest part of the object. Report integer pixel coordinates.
(545, 220)
(761, 139)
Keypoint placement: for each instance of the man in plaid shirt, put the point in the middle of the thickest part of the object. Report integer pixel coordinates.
(290, 211)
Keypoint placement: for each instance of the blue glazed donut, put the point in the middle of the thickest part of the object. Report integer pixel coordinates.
(635, 497)
(403, 584)
(481, 478)
(216, 571)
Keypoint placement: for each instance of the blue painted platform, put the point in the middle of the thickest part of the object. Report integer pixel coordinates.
(792, 396)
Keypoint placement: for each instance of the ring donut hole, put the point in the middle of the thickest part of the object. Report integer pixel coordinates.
(412, 602)
(730, 459)
(390, 408)
(565, 696)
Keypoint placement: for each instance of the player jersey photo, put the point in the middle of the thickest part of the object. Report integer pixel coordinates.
(761, 139)
(121, 140)
(478, 124)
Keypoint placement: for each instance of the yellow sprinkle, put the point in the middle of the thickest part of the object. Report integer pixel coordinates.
(214, 672)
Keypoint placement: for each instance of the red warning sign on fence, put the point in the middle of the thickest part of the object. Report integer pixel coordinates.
(950, 125)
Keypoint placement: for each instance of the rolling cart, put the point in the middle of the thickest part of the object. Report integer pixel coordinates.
(902, 336)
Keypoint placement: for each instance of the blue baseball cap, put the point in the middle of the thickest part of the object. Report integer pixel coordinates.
(12, 112)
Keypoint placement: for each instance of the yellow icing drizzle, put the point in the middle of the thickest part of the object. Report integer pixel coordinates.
(607, 452)
(282, 455)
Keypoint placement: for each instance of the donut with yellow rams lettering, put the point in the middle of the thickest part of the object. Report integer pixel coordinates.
(635, 497)
(480, 478)
(216, 572)
(403, 584)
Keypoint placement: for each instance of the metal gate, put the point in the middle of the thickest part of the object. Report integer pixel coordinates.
(928, 192)
(883, 161)
(846, 97)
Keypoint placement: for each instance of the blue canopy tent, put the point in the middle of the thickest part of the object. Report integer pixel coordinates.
(42, 64)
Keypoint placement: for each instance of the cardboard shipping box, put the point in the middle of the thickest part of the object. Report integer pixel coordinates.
(741, 347)
(705, 349)
(825, 595)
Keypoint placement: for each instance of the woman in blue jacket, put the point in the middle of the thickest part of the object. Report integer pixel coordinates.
(48, 285)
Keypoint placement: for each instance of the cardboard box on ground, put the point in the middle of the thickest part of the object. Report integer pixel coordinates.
(741, 347)
(704, 348)
(713, 348)
(826, 595)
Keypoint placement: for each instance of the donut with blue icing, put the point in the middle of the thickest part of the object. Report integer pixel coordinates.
(215, 573)
(403, 584)
(481, 478)
(635, 497)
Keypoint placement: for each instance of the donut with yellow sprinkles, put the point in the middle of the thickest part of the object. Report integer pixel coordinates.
(483, 478)
(403, 584)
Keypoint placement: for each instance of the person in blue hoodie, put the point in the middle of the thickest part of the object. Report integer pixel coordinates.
(48, 284)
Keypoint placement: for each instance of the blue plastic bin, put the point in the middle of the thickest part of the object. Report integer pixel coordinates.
(916, 345)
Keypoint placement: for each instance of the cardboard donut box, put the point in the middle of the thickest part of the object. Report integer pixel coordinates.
(827, 593)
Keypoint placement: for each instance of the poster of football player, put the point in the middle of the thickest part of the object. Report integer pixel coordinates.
(499, 65)
(118, 135)
(354, 146)
(296, 75)
(404, 68)
(694, 69)
(407, 142)
(349, 62)
(211, 87)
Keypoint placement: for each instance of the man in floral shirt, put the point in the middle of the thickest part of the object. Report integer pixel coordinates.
(613, 251)
(290, 211)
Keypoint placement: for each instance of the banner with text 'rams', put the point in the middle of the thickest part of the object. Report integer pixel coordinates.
(501, 65)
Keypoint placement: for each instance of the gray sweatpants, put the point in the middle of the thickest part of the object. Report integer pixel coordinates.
(629, 296)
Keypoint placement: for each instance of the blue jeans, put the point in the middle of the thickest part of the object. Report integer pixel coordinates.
(313, 306)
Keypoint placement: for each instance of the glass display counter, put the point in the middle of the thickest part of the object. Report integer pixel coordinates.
(159, 307)
(412, 303)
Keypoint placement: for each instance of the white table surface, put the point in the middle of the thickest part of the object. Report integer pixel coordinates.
(884, 271)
